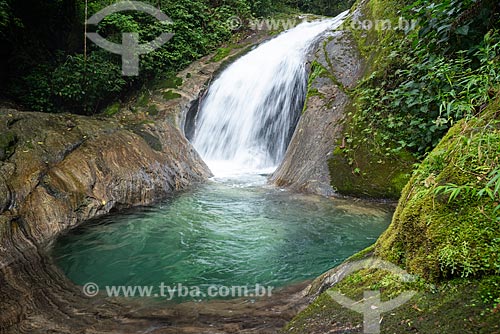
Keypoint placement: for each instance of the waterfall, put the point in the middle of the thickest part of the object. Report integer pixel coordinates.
(250, 112)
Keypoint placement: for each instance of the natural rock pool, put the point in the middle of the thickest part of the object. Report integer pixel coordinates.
(234, 231)
(229, 232)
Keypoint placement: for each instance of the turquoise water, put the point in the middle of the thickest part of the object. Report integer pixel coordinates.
(229, 232)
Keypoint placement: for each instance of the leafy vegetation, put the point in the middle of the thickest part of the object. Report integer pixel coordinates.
(441, 80)
(491, 190)
(64, 78)
(418, 83)
(324, 7)
(444, 71)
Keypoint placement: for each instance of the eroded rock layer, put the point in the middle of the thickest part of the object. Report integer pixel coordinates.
(61, 170)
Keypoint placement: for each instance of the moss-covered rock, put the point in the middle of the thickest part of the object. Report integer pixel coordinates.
(112, 109)
(445, 225)
(330, 150)
(7, 141)
(335, 68)
(459, 306)
(363, 172)
(445, 229)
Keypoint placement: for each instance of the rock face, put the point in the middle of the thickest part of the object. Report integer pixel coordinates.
(65, 169)
(336, 66)
(330, 151)
(58, 171)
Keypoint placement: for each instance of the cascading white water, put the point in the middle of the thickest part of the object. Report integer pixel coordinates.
(250, 111)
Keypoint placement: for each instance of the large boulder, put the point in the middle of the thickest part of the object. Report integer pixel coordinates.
(447, 222)
(336, 66)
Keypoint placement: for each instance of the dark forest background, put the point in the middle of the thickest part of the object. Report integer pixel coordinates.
(42, 61)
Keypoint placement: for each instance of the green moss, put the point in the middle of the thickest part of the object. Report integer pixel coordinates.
(143, 100)
(221, 54)
(170, 95)
(364, 167)
(459, 306)
(318, 71)
(362, 254)
(6, 139)
(153, 110)
(328, 73)
(362, 171)
(436, 237)
(169, 81)
(112, 109)
(452, 246)
(376, 43)
(7, 144)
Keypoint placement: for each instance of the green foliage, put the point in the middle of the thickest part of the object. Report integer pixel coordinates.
(324, 7)
(170, 95)
(452, 25)
(75, 84)
(80, 85)
(489, 290)
(7, 144)
(483, 182)
(490, 190)
(439, 74)
(4, 15)
(456, 306)
(65, 80)
(113, 109)
(221, 54)
(34, 89)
